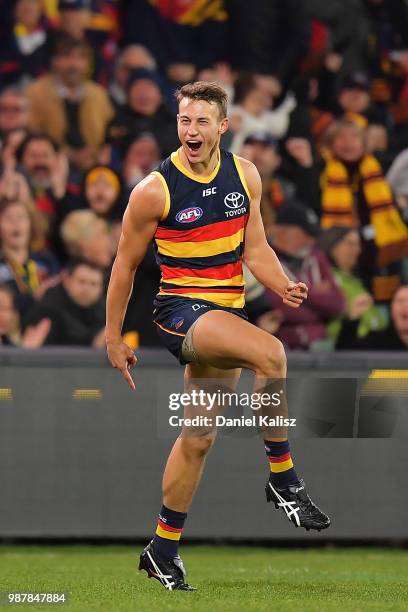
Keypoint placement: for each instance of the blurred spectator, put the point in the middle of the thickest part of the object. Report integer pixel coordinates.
(102, 192)
(11, 142)
(132, 57)
(73, 18)
(342, 246)
(142, 156)
(397, 177)
(46, 169)
(268, 37)
(13, 111)
(288, 175)
(181, 35)
(251, 112)
(87, 236)
(75, 307)
(103, 195)
(9, 327)
(355, 194)
(71, 109)
(24, 47)
(23, 269)
(145, 111)
(294, 241)
(393, 338)
(95, 30)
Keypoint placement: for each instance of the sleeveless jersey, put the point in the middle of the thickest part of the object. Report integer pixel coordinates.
(200, 239)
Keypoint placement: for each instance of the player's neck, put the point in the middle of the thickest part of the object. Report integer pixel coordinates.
(202, 168)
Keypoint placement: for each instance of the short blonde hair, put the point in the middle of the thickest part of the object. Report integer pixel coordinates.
(77, 226)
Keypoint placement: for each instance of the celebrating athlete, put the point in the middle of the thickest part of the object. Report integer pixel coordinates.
(202, 209)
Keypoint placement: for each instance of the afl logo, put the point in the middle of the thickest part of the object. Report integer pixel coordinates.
(188, 215)
(234, 199)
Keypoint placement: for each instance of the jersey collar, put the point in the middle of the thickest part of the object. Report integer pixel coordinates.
(175, 158)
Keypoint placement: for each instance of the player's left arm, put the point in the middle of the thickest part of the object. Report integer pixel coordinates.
(259, 256)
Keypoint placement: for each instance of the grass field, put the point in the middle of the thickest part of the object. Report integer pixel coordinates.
(229, 579)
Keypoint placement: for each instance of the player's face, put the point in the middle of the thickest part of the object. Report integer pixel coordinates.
(199, 127)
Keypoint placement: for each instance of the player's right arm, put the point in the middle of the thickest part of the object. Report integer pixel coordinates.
(143, 213)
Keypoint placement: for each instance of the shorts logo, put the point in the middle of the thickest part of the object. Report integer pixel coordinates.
(189, 215)
(234, 199)
(177, 322)
(198, 306)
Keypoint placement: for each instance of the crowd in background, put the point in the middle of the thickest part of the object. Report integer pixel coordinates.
(318, 101)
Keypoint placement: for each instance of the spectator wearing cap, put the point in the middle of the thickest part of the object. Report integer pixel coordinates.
(294, 240)
(145, 111)
(342, 246)
(356, 194)
(69, 107)
(24, 45)
(352, 99)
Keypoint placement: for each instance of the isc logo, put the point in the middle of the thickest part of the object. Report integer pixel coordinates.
(209, 191)
(188, 215)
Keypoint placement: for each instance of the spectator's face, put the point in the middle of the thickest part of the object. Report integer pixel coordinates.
(97, 246)
(376, 138)
(13, 111)
(28, 12)
(132, 59)
(144, 97)
(354, 100)
(142, 154)
(199, 128)
(348, 145)
(71, 67)
(39, 160)
(257, 101)
(265, 157)
(399, 310)
(15, 227)
(7, 313)
(84, 285)
(73, 21)
(293, 240)
(347, 251)
(101, 194)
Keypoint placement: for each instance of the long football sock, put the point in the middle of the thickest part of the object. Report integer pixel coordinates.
(280, 460)
(168, 532)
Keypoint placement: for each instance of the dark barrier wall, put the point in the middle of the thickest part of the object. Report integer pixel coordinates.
(81, 455)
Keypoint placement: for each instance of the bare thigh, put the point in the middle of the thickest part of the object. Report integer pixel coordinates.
(225, 341)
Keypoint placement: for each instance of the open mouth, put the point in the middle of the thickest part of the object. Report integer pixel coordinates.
(193, 146)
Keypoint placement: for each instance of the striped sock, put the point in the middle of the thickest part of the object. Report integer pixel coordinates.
(168, 532)
(280, 460)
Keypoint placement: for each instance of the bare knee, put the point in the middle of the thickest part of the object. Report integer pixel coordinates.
(272, 360)
(196, 447)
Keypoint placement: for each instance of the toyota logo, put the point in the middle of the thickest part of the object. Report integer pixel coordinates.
(234, 199)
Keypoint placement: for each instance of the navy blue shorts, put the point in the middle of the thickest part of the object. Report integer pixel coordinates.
(175, 315)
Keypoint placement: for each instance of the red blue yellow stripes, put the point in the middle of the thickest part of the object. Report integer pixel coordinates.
(281, 463)
(169, 533)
